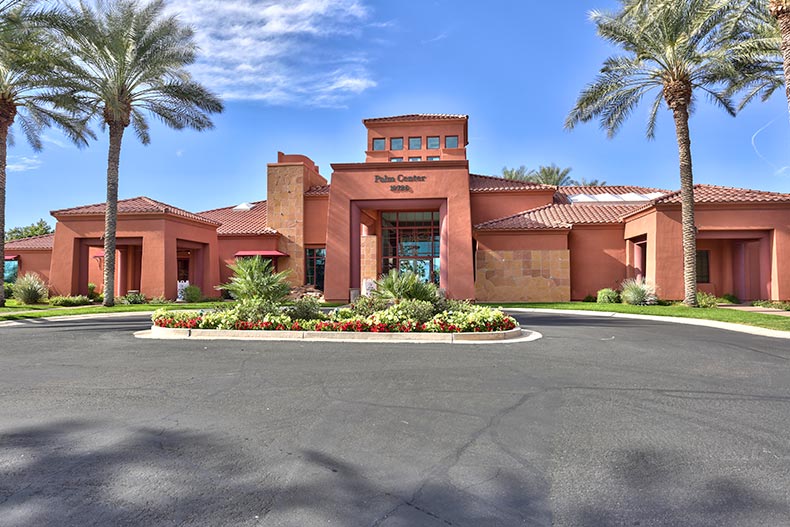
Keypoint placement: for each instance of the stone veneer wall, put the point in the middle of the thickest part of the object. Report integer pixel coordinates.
(369, 258)
(285, 214)
(523, 276)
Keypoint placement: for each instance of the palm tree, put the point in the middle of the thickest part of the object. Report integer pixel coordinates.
(520, 174)
(131, 61)
(26, 91)
(585, 183)
(678, 50)
(551, 175)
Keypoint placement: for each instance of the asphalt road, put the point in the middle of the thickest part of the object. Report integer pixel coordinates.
(603, 422)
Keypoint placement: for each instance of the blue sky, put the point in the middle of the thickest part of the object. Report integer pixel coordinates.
(299, 76)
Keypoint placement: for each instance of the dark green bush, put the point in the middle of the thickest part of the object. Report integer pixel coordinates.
(192, 294)
(69, 301)
(306, 308)
(364, 306)
(396, 286)
(706, 300)
(729, 299)
(608, 296)
(255, 278)
(589, 298)
(133, 298)
(8, 290)
(30, 289)
(92, 291)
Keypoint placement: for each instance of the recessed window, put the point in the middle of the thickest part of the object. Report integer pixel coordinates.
(315, 263)
(396, 159)
(415, 143)
(432, 142)
(433, 158)
(703, 267)
(10, 271)
(451, 141)
(379, 144)
(396, 143)
(418, 158)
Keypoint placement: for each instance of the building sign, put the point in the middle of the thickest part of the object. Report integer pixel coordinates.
(398, 183)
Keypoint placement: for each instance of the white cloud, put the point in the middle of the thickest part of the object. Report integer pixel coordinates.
(22, 163)
(441, 36)
(179, 153)
(280, 52)
(46, 138)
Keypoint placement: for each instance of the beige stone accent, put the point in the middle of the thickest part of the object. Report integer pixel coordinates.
(369, 258)
(523, 276)
(285, 214)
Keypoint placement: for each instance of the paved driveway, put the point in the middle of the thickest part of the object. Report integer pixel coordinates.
(603, 422)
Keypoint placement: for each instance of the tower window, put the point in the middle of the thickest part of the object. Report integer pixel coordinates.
(451, 141)
(396, 143)
(432, 142)
(379, 143)
(415, 143)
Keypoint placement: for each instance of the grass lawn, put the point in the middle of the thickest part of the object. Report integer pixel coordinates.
(12, 305)
(720, 314)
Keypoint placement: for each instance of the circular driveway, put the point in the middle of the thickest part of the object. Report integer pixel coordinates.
(603, 422)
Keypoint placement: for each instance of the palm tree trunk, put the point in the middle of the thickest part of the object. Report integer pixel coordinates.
(681, 115)
(111, 214)
(780, 9)
(3, 151)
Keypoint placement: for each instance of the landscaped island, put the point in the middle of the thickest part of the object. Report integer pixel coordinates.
(400, 303)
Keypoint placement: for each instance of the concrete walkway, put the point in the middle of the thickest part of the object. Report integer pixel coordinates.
(756, 309)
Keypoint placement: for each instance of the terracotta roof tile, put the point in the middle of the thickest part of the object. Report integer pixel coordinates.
(44, 241)
(318, 190)
(480, 183)
(139, 205)
(415, 117)
(559, 216)
(716, 194)
(563, 193)
(235, 222)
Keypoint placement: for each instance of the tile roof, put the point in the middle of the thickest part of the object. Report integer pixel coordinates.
(415, 117)
(138, 205)
(44, 241)
(559, 216)
(234, 222)
(563, 193)
(480, 183)
(717, 194)
(318, 190)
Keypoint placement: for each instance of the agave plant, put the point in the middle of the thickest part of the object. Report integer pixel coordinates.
(255, 278)
(396, 286)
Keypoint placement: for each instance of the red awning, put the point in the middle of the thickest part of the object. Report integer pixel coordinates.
(9, 257)
(267, 254)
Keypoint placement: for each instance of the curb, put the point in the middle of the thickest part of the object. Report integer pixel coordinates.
(58, 318)
(728, 326)
(498, 337)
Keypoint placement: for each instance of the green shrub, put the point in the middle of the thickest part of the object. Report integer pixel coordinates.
(729, 299)
(158, 301)
(589, 298)
(192, 294)
(253, 309)
(255, 278)
(419, 311)
(706, 300)
(305, 308)
(608, 296)
(69, 301)
(30, 289)
(8, 290)
(396, 286)
(92, 291)
(133, 298)
(364, 306)
(638, 293)
(772, 304)
(344, 313)
(478, 319)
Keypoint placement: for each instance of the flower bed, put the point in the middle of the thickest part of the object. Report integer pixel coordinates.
(395, 319)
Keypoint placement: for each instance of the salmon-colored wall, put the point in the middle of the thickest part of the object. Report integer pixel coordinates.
(34, 261)
(445, 181)
(316, 211)
(312, 176)
(549, 240)
(230, 245)
(488, 206)
(597, 259)
(424, 129)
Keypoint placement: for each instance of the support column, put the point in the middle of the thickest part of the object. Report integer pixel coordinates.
(355, 252)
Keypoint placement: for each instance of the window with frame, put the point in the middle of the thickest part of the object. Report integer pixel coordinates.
(416, 158)
(410, 242)
(451, 141)
(432, 142)
(396, 159)
(433, 158)
(315, 265)
(379, 143)
(415, 143)
(10, 271)
(396, 143)
(703, 267)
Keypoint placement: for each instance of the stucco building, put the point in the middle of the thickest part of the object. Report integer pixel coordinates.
(413, 204)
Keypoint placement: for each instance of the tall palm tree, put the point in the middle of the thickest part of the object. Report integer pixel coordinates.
(551, 175)
(26, 91)
(521, 173)
(677, 50)
(130, 61)
(588, 183)
(780, 10)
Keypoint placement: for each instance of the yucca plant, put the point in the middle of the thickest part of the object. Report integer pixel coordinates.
(396, 286)
(255, 278)
(637, 292)
(30, 289)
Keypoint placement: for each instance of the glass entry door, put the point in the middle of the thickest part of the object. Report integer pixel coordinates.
(410, 242)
